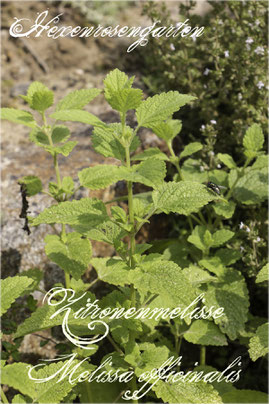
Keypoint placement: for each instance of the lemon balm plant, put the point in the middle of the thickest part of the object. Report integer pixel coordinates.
(200, 262)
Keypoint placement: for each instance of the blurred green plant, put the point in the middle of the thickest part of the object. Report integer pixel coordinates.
(225, 67)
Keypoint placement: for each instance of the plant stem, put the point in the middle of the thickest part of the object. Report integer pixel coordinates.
(114, 344)
(202, 355)
(3, 397)
(132, 247)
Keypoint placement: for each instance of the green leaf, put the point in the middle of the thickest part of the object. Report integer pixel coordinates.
(35, 87)
(52, 391)
(18, 398)
(182, 197)
(18, 116)
(84, 214)
(196, 275)
(231, 293)
(167, 130)
(111, 270)
(115, 81)
(228, 256)
(164, 278)
(261, 162)
(182, 392)
(108, 232)
(73, 256)
(227, 160)
(190, 149)
(221, 237)
(77, 115)
(101, 176)
(126, 99)
(263, 275)
(150, 172)
(252, 188)
(77, 99)
(204, 332)
(160, 107)
(245, 396)
(32, 183)
(11, 288)
(60, 133)
(201, 238)
(64, 149)
(253, 139)
(105, 142)
(41, 318)
(258, 344)
(225, 209)
(35, 275)
(42, 100)
(152, 152)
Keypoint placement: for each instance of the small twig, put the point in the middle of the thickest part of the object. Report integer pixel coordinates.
(47, 338)
(35, 56)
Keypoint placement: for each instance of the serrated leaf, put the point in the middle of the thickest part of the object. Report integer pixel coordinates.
(35, 275)
(41, 318)
(101, 176)
(164, 278)
(52, 391)
(200, 238)
(221, 237)
(227, 160)
(231, 293)
(177, 252)
(150, 172)
(244, 396)
(228, 256)
(64, 149)
(18, 398)
(190, 149)
(60, 133)
(252, 188)
(18, 116)
(126, 99)
(167, 130)
(206, 333)
(107, 232)
(182, 392)
(34, 87)
(73, 256)
(182, 197)
(196, 275)
(111, 271)
(11, 289)
(83, 215)
(77, 99)
(225, 209)
(146, 356)
(78, 115)
(32, 183)
(42, 100)
(253, 139)
(152, 152)
(116, 81)
(261, 162)
(263, 275)
(105, 142)
(258, 344)
(160, 107)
